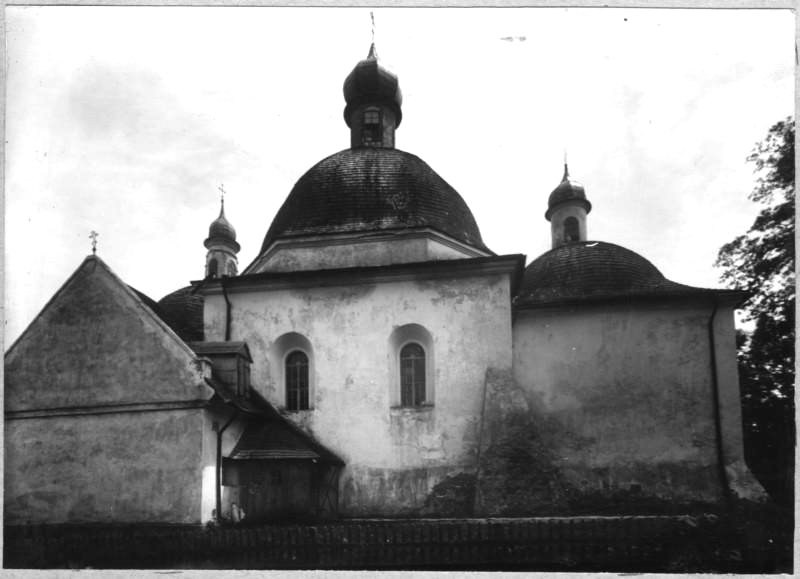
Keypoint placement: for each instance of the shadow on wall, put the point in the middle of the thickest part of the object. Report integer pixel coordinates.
(521, 470)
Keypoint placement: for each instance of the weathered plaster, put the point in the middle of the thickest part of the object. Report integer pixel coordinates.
(75, 448)
(740, 480)
(215, 418)
(96, 344)
(560, 215)
(361, 251)
(124, 467)
(349, 329)
(628, 389)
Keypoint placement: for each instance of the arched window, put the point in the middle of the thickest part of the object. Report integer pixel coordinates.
(212, 267)
(231, 268)
(571, 229)
(412, 375)
(297, 381)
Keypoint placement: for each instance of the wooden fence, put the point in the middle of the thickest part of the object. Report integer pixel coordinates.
(657, 543)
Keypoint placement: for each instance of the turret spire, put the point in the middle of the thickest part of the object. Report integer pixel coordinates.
(221, 244)
(373, 98)
(567, 208)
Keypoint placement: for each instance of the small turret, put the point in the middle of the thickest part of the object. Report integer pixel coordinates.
(567, 208)
(222, 247)
(373, 98)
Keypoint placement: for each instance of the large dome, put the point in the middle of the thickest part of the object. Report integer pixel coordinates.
(373, 189)
(590, 270)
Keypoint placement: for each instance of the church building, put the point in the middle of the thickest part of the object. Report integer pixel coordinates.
(377, 359)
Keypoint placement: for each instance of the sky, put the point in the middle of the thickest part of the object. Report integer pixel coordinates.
(126, 121)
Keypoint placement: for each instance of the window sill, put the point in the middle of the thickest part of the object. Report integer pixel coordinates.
(426, 407)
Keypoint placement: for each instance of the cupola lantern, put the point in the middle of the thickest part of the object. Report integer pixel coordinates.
(373, 98)
(222, 247)
(567, 208)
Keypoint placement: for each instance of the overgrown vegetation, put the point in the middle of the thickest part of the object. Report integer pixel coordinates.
(762, 262)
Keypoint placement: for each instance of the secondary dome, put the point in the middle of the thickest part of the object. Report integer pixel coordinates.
(567, 190)
(593, 270)
(182, 310)
(369, 190)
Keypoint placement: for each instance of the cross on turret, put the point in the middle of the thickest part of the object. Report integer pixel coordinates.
(93, 236)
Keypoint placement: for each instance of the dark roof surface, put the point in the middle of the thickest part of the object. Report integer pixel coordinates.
(149, 302)
(271, 440)
(222, 230)
(269, 435)
(370, 83)
(567, 190)
(592, 270)
(182, 310)
(373, 189)
(221, 348)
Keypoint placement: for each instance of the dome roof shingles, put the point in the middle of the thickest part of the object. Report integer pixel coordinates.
(594, 270)
(182, 310)
(369, 190)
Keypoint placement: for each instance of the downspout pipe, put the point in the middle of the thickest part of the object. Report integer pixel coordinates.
(218, 473)
(227, 310)
(723, 476)
(477, 499)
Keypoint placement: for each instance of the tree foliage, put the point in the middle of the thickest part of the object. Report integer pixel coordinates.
(762, 262)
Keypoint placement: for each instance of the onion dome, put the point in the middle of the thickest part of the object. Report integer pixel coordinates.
(370, 190)
(369, 83)
(182, 310)
(567, 190)
(594, 270)
(221, 230)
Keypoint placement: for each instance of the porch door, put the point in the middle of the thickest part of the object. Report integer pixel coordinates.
(263, 492)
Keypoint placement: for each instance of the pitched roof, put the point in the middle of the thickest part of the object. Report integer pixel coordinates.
(98, 342)
(90, 263)
(271, 440)
(221, 349)
(270, 436)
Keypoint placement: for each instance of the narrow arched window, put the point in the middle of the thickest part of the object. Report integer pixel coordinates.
(412, 375)
(231, 268)
(212, 267)
(571, 229)
(297, 381)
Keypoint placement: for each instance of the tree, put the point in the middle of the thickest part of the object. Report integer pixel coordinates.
(762, 262)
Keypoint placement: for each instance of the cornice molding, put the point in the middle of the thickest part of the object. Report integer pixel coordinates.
(105, 409)
(512, 265)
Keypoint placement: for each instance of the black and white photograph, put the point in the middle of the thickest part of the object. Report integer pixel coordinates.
(399, 289)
